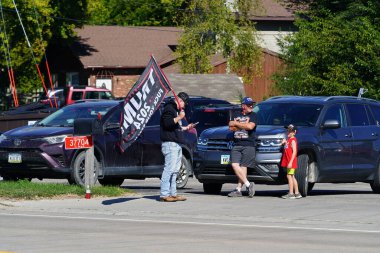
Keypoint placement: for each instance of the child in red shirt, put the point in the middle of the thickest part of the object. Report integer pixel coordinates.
(289, 161)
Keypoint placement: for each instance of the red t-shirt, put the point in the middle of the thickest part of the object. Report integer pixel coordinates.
(287, 153)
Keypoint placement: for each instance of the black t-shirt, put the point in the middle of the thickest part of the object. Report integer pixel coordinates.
(245, 137)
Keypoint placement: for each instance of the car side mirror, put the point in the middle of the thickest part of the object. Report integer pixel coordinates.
(331, 124)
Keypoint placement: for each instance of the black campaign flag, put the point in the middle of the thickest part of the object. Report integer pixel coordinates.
(142, 101)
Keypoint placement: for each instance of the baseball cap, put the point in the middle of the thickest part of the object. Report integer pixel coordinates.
(184, 97)
(291, 127)
(247, 101)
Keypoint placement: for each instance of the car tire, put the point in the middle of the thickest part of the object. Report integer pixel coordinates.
(111, 181)
(77, 172)
(375, 184)
(212, 188)
(183, 173)
(302, 174)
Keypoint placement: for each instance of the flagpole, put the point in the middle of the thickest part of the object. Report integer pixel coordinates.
(167, 80)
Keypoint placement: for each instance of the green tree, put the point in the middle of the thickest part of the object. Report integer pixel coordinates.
(213, 27)
(44, 21)
(136, 12)
(335, 52)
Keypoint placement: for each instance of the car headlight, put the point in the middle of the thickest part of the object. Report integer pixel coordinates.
(55, 139)
(202, 141)
(3, 138)
(270, 142)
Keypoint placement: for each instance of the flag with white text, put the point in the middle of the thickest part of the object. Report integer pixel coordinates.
(142, 101)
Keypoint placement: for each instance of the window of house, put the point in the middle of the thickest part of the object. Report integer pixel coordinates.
(72, 78)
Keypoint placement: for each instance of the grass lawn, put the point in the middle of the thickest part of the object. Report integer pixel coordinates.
(24, 189)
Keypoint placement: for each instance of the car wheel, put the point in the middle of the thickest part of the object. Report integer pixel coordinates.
(302, 174)
(111, 181)
(183, 173)
(375, 185)
(77, 172)
(212, 188)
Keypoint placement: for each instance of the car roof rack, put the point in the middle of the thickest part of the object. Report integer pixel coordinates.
(349, 97)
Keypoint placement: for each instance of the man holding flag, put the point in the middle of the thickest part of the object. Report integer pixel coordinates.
(171, 134)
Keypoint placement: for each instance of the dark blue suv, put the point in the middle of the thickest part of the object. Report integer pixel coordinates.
(338, 138)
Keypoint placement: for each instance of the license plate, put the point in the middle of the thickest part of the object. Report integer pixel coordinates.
(224, 159)
(14, 158)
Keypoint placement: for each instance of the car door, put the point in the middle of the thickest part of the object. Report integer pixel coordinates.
(153, 159)
(364, 134)
(118, 161)
(335, 162)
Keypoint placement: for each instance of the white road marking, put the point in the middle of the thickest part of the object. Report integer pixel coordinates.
(192, 223)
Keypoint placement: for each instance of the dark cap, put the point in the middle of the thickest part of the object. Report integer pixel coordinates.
(184, 97)
(291, 127)
(247, 101)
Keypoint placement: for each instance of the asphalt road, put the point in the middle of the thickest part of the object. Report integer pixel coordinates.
(335, 218)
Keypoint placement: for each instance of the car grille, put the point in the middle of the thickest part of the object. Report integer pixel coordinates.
(217, 144)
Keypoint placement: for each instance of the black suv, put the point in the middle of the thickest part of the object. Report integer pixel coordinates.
(209, 112)
(338, 141)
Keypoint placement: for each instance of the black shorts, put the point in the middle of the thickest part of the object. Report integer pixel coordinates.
(243, 155)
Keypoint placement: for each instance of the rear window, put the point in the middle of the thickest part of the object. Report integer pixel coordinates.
(209, 103)
(211, 118)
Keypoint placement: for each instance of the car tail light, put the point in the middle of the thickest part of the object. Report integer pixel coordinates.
(209, 110)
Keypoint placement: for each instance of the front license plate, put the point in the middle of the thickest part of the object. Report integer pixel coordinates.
(14, 158)
(224, 159)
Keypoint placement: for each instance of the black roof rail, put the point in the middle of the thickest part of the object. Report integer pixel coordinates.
(349, 97)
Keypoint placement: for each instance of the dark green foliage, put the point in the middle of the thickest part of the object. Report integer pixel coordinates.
(335, 52)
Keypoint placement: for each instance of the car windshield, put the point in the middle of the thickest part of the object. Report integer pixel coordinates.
(279, 114)
(65, 117)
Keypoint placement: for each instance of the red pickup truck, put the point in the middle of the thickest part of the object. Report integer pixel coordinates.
(30, 113)
(71, 94)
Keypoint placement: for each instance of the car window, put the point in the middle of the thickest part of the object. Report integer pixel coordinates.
(357, 115)
(66, 116)
(116, 116)
(336, 112)
(376, 113)
(92, 95)
(77, 95)
(210, 117)
(279, 114)
(209, 103)
(105, 95)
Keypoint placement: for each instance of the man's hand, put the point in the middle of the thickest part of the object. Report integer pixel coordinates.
(181, 114)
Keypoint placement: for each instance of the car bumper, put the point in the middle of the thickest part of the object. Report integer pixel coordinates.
(34, 163)
(209, 167)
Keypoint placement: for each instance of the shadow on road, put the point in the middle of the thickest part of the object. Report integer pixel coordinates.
(109, 202)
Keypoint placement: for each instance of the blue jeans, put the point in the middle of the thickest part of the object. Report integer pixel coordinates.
(173, 157)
